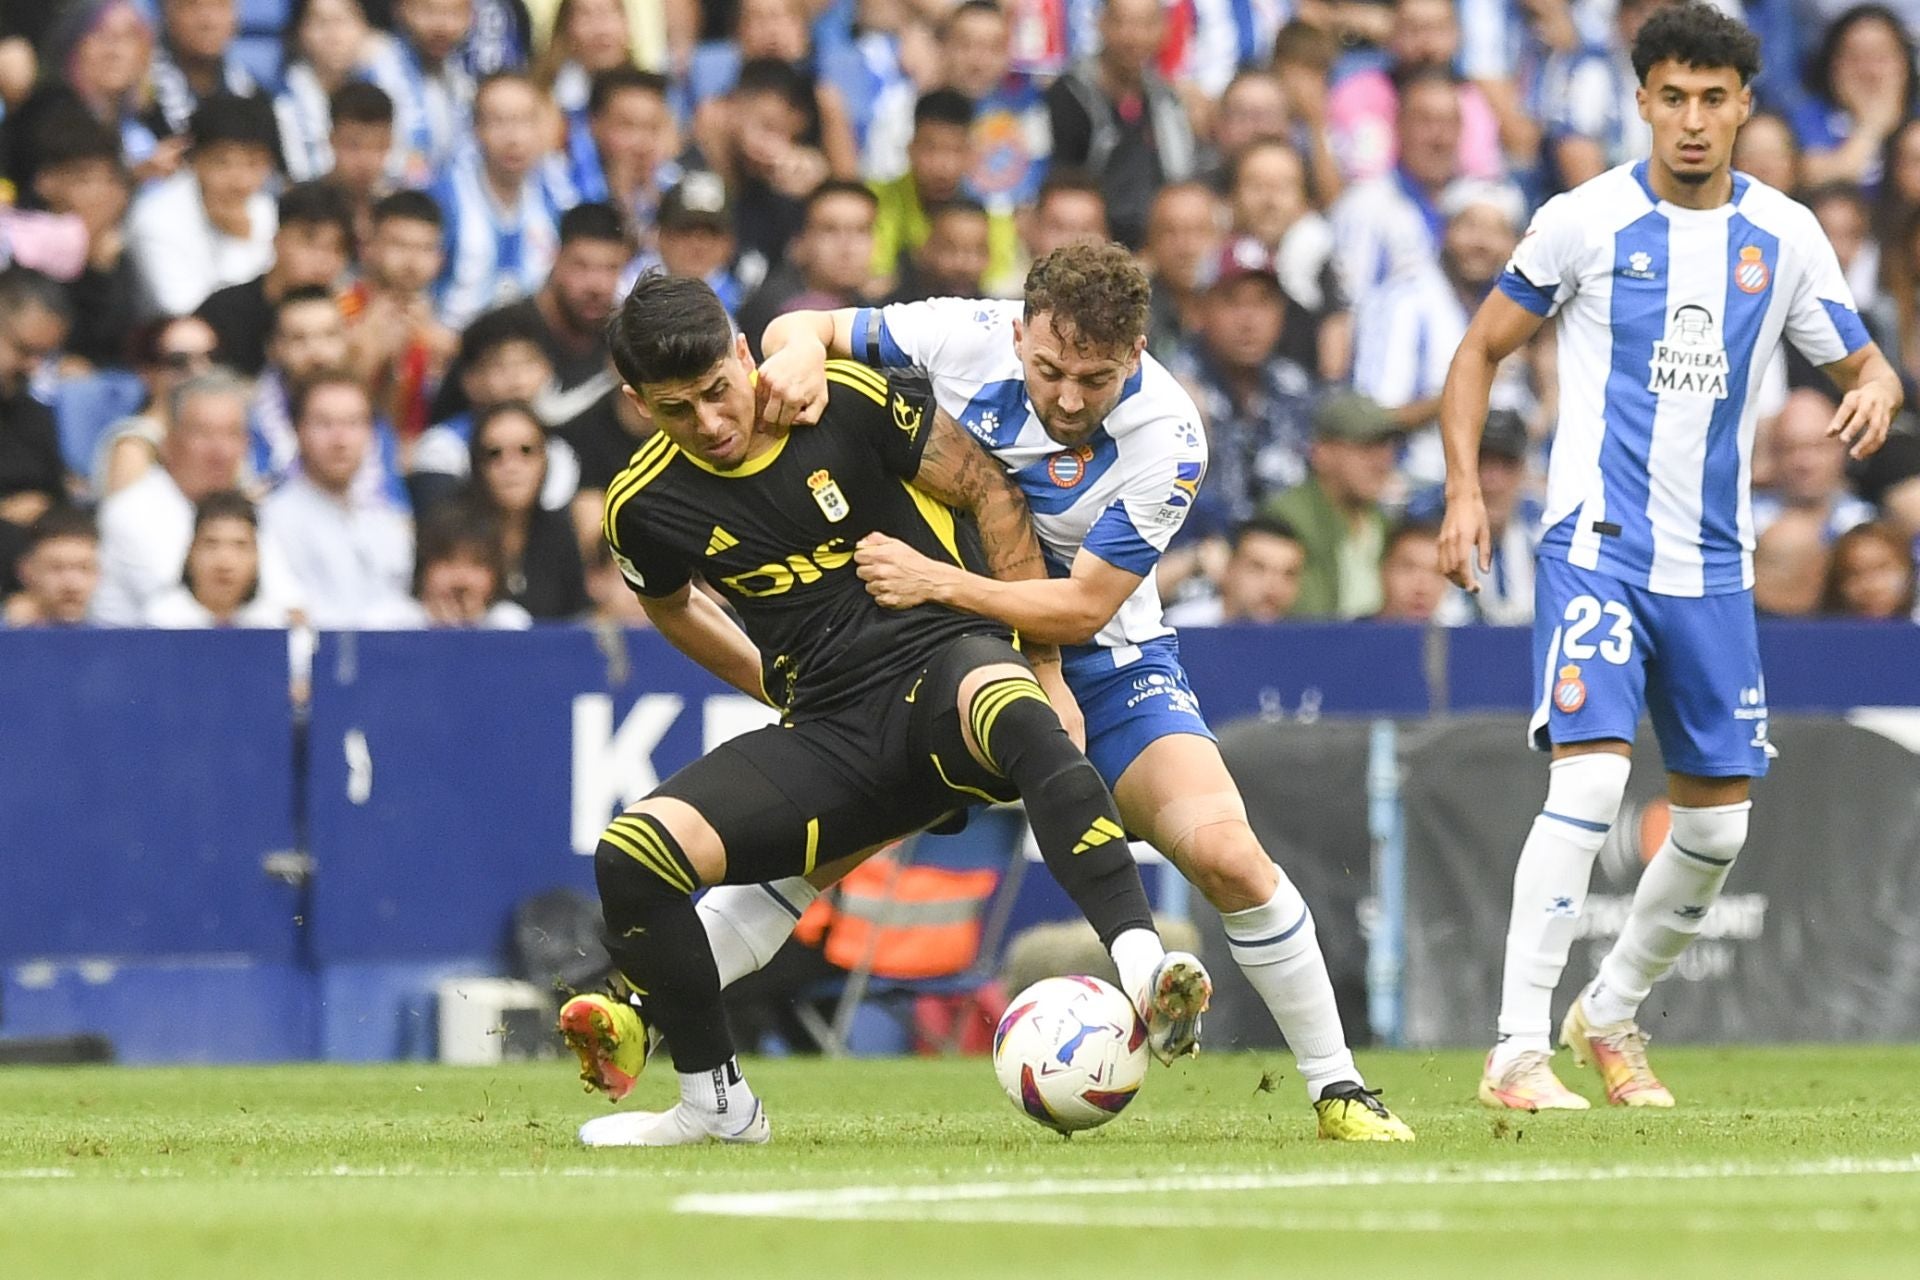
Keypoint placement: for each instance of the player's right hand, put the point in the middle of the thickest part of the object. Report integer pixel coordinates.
(1466, 542)
(792, 384)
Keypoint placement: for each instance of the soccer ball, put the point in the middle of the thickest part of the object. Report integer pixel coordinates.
(1070, 1052)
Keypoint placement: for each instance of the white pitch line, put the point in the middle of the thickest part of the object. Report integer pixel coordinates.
(882, 1201)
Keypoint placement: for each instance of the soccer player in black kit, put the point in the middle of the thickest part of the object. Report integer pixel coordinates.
(891, 720)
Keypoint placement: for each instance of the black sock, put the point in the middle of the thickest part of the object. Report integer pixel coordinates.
(656, 939)
(1074, 819)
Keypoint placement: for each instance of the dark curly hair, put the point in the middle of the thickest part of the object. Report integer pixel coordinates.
(1096, 293)
(1696, 35)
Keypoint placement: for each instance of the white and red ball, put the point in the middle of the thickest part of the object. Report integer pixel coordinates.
(1070, 1052)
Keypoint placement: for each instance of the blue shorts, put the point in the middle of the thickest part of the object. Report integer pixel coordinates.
(1129, 707)
(1604, 650)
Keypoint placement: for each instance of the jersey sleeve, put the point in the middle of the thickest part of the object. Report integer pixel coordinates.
(1543, 271)
(1135, 528)
(1822, 322)
(892, 412)
(649, 568)
(917, 335)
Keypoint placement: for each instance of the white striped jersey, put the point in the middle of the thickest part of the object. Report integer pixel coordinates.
(1668, 320)
(1122, 495)
(493, 255)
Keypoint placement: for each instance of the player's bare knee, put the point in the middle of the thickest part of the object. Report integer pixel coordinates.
(1226, 863)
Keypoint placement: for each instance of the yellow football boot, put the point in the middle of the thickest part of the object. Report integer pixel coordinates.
(1352, 1113)
(609, 1038)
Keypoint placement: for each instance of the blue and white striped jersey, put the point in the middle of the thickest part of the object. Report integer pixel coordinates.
(494, 255)
(1668, 319)
(1122, 496)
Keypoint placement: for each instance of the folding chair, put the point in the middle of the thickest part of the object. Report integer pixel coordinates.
(994, 841)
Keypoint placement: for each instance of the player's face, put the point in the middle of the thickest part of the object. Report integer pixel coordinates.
(1695, 115)
(1072, 388)
(710, 416)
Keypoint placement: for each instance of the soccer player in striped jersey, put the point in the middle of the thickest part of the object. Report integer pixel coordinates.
(1109, 452)
(1673, 280)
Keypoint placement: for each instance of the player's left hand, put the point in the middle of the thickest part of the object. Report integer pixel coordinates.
(1863, 418)
(896, 575)
(791, 385)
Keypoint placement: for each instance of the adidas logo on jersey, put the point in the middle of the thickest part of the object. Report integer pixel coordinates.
(720, 541)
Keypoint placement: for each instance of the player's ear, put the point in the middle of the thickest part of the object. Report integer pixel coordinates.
(1643, 101)
(1019, 336)
(1133, 361)
(742, 352)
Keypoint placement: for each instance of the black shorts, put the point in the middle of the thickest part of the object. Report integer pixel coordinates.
(788, 798)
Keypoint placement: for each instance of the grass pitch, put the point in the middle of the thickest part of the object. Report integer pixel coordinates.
(1782, 1161)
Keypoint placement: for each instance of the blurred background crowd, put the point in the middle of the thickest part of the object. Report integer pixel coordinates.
(302, 300)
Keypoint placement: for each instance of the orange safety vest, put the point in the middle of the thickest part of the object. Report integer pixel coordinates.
(915, 922)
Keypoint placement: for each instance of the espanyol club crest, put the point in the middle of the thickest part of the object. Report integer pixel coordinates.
(1750, 274)
(1069, 467)
(1570, 694)
(833, 503)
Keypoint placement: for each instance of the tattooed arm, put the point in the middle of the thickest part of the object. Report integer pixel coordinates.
(1065, 610)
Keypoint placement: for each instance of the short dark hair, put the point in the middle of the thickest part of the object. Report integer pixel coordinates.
(840, 187)
(1837, 189)
(23, 287)
(227, 504)
(230, 118)
(494, 329)
(318, 204)
(944, 106)
(1699, 36)
(595, 220)
(1096, 293)
(1068, 181)
(963, 205)
(60, 521)
(457, 527)
(625, 78)
(1411, 76)
(1306, 44)
(410, 205)
(71, 135)
(302, 394)
(770, 75)
(1269, 526)
(669, 328)
(300, 297)
(360, 102)
(1408, 528)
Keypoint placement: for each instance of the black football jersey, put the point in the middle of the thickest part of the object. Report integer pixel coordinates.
(775, 537)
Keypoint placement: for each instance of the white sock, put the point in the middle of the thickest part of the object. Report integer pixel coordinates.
(1549, 888)
(747, 923)
(1676, 891)
(1136, 953)
(1276, 946)
(720, 1095)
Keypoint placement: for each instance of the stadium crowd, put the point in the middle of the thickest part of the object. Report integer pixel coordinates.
(303, 316)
